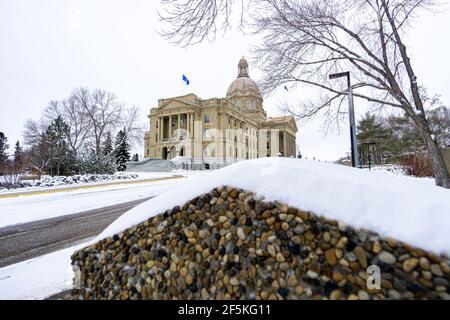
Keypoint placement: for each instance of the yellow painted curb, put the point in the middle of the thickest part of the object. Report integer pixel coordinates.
(32, 193)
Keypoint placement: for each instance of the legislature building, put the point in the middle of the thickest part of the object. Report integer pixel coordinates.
(219, 131)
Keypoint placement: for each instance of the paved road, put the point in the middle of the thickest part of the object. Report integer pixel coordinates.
(29, 240)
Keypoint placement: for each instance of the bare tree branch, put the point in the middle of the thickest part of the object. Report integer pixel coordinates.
(305, 40)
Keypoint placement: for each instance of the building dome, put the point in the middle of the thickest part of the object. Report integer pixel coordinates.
(243, 85)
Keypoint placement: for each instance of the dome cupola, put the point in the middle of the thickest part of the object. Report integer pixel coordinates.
(243, 85)
(243, 68)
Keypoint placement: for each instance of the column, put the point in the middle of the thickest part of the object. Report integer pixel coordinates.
(292, 145)
(179, 126)
(193, 124)
(159, 129)
(289, 144)
(284, 144)
(170, 127)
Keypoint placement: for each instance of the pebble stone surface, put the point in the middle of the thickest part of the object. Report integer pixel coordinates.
(230, 244)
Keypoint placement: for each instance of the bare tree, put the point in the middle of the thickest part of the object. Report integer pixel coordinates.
(132, 127)
(89, 115)
(303, 41)
(192, 21)
(38, 156)
(75, 116)
(102, 110)
(34, 130)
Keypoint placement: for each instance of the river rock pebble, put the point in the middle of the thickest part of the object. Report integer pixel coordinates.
(231, 244)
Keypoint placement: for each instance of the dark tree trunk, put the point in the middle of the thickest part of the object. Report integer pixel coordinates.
(441, 174)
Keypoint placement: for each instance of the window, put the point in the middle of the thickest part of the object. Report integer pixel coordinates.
(238, 104)
(250, 104)
(206, 118)
(210, 151)
(206, 134)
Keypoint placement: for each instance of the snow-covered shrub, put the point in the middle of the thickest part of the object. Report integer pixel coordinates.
(93, 164)
(10, 181)
(48, 181)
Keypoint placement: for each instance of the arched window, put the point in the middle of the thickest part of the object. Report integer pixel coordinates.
(206, 118)
(164, 153)
(173, 152)
(250, 104)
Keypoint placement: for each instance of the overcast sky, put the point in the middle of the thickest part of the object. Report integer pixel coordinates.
(48, 47)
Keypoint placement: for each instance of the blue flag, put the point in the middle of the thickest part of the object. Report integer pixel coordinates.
(285, 88)
(185, 79)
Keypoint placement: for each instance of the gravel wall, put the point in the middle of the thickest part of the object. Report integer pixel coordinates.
(230, 244)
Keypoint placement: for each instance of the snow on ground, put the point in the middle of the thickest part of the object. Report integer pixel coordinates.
(391, 169)
(38, 278)
(403, 208)
(396, 170)
(59, 182)
(43, 206)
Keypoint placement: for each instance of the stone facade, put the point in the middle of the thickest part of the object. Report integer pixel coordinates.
(219, 130)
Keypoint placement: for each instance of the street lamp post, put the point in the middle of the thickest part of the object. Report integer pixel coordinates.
(351, 110)
(369, 145)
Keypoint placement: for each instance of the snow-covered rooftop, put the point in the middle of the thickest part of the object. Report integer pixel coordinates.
(403, 208)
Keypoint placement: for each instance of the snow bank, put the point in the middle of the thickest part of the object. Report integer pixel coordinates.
(180, 160)
(398, 207)
(38, 278)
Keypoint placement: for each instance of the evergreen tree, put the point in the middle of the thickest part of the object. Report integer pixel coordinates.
(90, 163)
(395, 136)
(62, 160)
(404, 138)
(39, 155)
(3, 151)
(18, 157)
(439, 120)
(122, 150)
(371, 130)
(107, 147)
